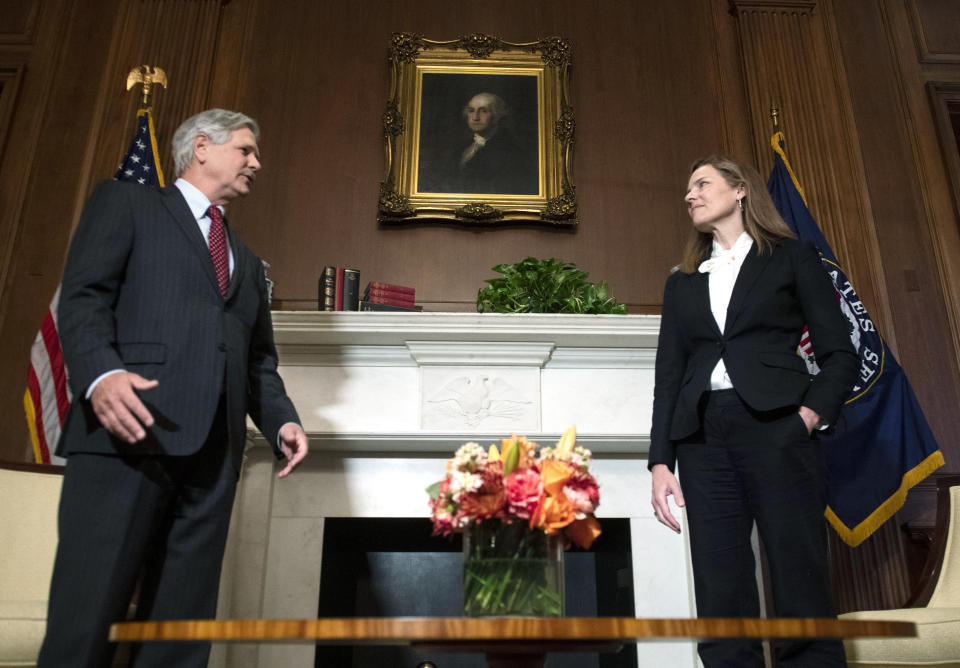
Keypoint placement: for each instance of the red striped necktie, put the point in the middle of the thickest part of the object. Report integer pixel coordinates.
(218, 249)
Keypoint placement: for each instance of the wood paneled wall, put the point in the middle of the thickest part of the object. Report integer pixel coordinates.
(655, 84)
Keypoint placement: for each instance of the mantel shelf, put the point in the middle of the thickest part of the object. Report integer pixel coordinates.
(395, 328)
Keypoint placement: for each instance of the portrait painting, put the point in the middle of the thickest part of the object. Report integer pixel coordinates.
(479, 134)
(478, 130)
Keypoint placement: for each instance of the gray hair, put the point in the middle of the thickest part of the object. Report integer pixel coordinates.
(215, 124)
(498, 108)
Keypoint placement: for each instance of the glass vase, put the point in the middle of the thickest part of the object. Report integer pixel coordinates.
(511, 570)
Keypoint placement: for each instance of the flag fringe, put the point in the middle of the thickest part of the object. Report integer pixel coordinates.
(31, 411)
(775, 142)
(153, 145)
(886, 510)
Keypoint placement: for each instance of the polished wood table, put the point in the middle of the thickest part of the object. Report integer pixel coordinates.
(511, 642)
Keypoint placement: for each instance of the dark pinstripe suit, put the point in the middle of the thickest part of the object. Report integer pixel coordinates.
(139, 292)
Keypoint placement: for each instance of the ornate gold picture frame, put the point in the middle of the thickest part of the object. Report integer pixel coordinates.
(478, 130)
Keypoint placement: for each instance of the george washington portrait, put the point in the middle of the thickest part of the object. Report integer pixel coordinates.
(479, 135)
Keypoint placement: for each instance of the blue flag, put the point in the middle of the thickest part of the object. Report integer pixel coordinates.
(141, 164)
(881, 445)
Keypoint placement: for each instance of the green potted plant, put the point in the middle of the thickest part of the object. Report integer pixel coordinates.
(545, 286)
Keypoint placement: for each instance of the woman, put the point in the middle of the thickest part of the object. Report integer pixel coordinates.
(736, 409)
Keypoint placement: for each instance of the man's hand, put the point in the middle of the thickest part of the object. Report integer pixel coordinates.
(665, 484)
(119, 409)
(293, 445)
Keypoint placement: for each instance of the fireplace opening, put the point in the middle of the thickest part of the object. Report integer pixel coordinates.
(389, 567)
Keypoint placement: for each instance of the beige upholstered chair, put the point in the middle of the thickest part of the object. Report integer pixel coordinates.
(937, 644)
(29, 496)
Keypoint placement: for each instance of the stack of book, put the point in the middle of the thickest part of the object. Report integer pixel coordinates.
(379, 296)
(339, 289)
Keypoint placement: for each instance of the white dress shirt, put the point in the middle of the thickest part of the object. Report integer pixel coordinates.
(723, 268)
(199, 204)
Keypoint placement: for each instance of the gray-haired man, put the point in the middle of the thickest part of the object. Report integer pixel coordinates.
(166, 332)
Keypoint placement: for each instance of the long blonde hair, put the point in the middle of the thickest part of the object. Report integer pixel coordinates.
(760, 217)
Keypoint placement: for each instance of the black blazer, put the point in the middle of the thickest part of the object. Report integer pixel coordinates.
(139, 292)
(774, 296)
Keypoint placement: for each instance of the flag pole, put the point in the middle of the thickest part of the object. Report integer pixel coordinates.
(149, 77)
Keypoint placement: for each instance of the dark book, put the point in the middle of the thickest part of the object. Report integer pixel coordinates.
(370, 293)
(328, 288)
(390, 287)
(374, 306)
(351, 290)
(338, 290)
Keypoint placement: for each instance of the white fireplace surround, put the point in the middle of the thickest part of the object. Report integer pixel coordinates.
(386, 397)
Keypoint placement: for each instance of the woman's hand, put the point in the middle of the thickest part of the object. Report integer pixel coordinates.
(665, 484)
(810, 418)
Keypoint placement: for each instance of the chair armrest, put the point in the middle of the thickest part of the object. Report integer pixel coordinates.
(33, 468)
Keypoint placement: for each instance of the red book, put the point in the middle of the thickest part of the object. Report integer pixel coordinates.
(389, 287)
(390, 294)
(392, 302)
(338, 291)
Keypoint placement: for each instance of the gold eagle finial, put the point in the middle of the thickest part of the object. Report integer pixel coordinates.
(147, 76)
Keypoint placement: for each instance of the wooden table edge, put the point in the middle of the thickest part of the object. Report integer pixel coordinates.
(423, 630)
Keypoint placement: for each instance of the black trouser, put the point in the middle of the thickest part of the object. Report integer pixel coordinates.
(162, 520)
(743, 467)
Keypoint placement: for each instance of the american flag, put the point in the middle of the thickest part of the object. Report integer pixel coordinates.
(142, 161)
(48, 396)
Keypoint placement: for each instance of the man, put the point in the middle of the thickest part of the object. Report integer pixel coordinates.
(493, 161)
(169, 344)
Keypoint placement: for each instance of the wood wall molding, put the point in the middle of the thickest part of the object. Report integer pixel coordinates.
(931, 164)
(941, 94)
(11, 76)
(180, 37)
(23, 130)
(18, 22)
(935, 25)
(776, 6)
(228, 82)
(790, 59)
(732, 110)
(946, 235)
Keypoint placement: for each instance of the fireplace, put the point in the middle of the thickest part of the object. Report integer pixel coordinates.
(377, 396)
(393, 567)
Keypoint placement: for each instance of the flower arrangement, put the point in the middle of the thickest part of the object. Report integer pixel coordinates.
(527, 497)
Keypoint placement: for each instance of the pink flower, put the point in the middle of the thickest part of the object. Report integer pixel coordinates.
(442, 523)
(583, 494)
(523, 489)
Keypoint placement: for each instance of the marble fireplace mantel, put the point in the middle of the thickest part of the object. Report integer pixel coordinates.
(422, 382)
(386, 397)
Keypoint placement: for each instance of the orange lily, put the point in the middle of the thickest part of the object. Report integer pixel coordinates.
(584, 532)
(554, 511)
(525, 450)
